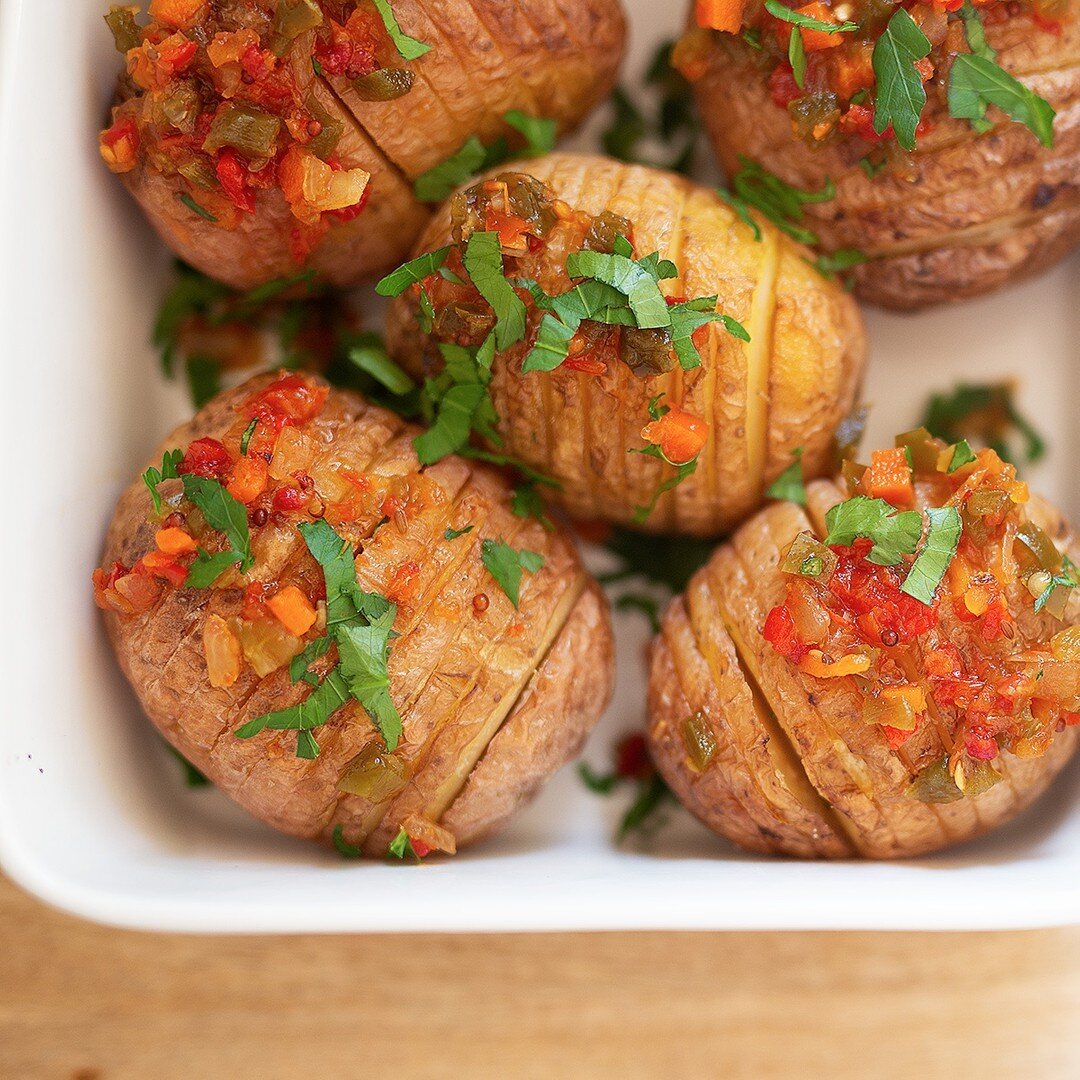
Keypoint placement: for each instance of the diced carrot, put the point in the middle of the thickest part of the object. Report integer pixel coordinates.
(679, 434)
(293, 610)
(721, 14)
(851, 70)
(174, 541)
(813, 40)
(248, 479)
(813, 663)
(889, 478)
(179, 13)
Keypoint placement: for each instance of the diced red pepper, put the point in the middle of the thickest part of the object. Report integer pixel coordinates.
(780, 633)
(208, 458)
(233, 176)
(292, 400)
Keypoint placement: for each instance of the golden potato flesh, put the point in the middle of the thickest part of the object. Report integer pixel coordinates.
(757, 402)
(963, 214)
(780, 758)
(493, 698)
(264, 138)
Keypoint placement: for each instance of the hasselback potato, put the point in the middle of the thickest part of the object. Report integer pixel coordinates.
(265, 137)
(845, 700)
(632, 424)
(980, 201)
(457, 653)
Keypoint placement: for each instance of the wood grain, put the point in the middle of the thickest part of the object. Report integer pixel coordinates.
(79, 1002)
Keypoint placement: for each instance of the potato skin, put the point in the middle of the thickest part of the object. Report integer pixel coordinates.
(711, 657)
(982, 211)
(511, 694)
(550, 58)
(788, 388)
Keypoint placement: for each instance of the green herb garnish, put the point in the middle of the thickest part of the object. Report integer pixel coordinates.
(401, 848)
(414, 271)
(900, 92)
(359, 623)
(962, 455)
(484, 265)
(640, 602)
(152, 477)
(1067, 578)
(976, 82)
(408, 47)
(203, 377)
(789, 485)
(442, 179)
(985, 412)
(894, 533)
(453, 534)
(938, 551)
(222, 512)
(369, 354)
(191, 204)
(343, 848)
(785, 14)
(506, 564)
(755, 187)
(526, 502)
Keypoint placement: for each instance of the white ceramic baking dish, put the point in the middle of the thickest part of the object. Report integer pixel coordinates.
(94, 816)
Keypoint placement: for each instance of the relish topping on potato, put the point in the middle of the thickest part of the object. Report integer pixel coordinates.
(863, 68)
(211, 97)
(525, 267)
(940, 596)
(356, 647)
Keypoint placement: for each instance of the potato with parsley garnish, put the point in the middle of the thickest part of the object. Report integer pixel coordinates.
(931, 148)
(627, 335)
(355, 647)
(889, 669)
(264, 137)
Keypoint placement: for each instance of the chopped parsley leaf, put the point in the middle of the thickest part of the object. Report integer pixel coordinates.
(506, 564)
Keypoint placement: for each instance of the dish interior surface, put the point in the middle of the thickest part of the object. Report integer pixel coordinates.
(94, 816)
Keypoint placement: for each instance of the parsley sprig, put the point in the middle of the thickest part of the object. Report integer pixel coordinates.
(900, 92)
(360, 624)
(408, 47)
(789, 486)
(896, 533)
(615, 289)
(976, 81)
(754, 187)
(986, 412)
(506, 565)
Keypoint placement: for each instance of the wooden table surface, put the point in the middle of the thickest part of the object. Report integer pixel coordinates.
(80, 1002)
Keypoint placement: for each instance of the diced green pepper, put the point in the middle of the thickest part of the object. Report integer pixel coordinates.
(698, 740)
(250, 131)
(125, 30)
(384, 84)
(291, 19)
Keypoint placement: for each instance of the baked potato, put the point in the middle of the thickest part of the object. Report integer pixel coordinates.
(671, 405)
(960, 204)
(265, 137)
(459, 654)
(816, 692)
